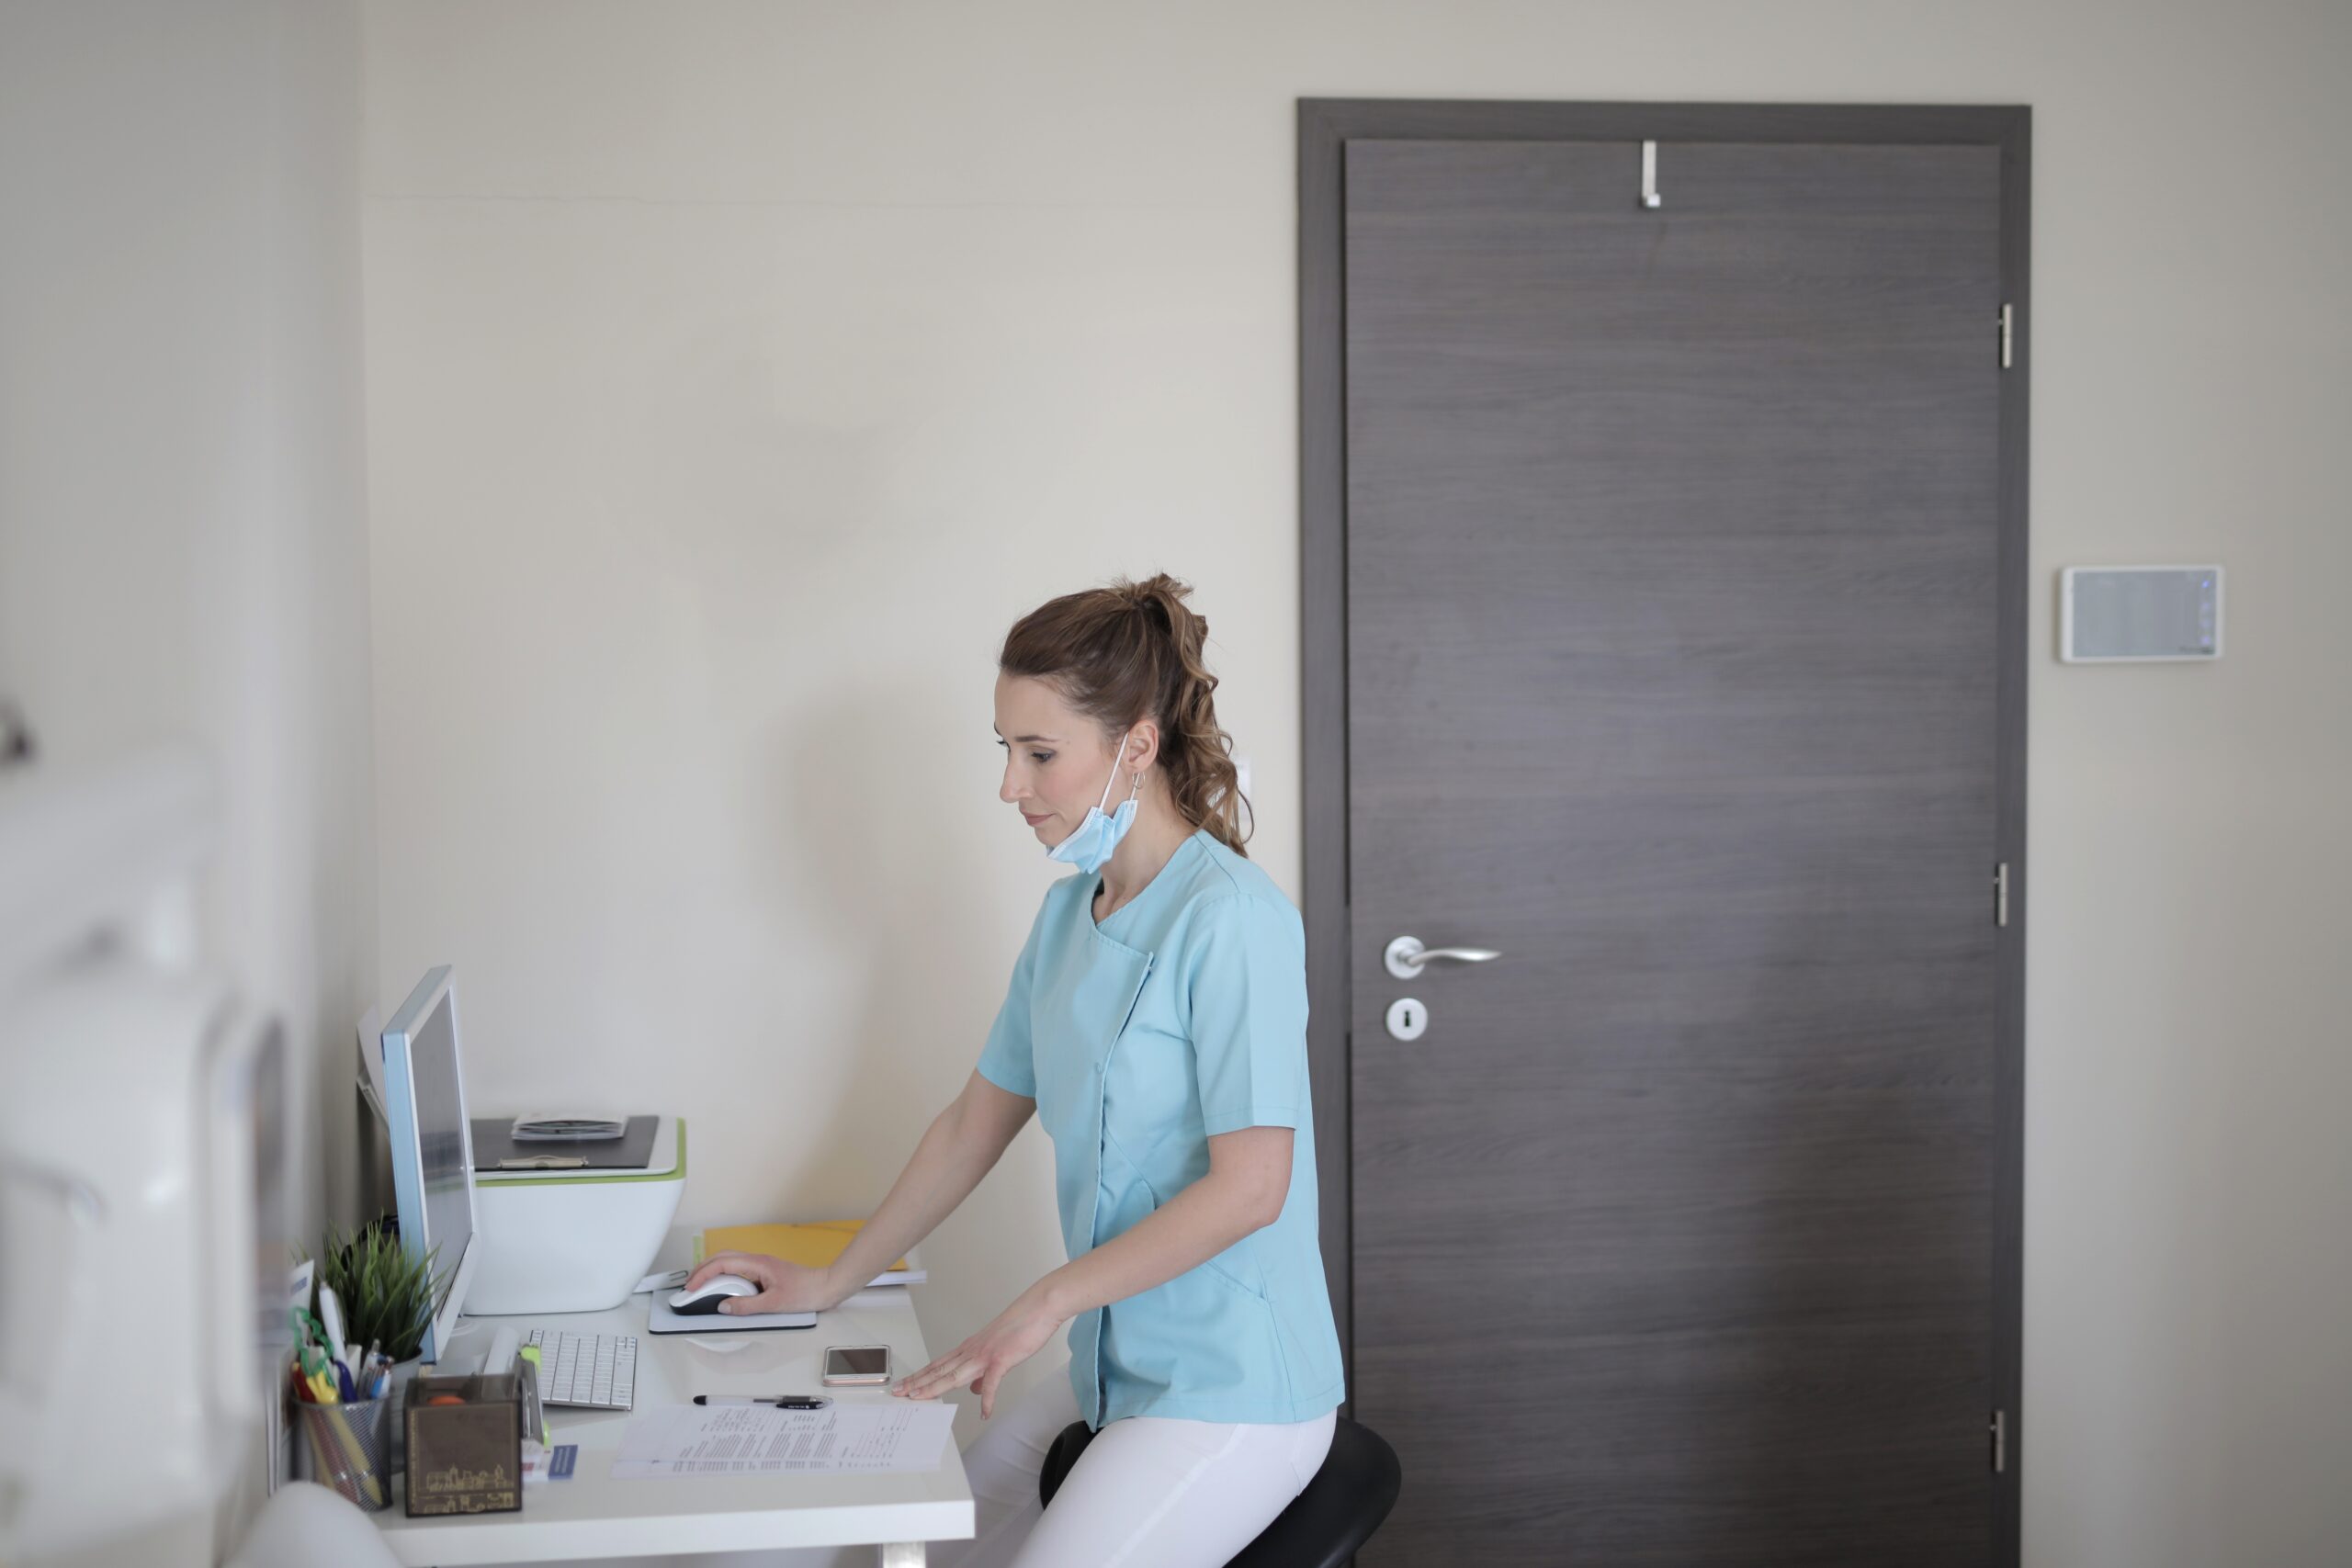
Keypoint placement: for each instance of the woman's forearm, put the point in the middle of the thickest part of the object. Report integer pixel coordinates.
(1246, 1189)
(940, 1174)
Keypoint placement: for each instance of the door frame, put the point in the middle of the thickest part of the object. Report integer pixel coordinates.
(1325, 126)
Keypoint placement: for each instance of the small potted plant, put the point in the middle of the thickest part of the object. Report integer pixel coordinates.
(387, 1298)
(386, 1295)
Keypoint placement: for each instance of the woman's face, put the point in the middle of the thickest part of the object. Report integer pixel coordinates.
(1056, 761)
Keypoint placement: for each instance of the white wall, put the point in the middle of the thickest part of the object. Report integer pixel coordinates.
(183, 546)
(739, 371)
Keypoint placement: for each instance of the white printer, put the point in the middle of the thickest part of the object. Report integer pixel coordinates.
(556, 1236)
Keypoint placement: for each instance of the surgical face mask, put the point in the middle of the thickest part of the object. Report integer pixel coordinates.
(1096, 836)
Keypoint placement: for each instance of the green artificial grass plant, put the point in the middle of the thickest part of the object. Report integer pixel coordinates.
(386, 1295)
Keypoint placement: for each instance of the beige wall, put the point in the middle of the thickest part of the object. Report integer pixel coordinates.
(183, 543)
(737, 372)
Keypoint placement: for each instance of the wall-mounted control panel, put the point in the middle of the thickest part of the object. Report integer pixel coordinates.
(2139, 614)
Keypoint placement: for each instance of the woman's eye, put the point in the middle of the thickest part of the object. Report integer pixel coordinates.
(1042, 756)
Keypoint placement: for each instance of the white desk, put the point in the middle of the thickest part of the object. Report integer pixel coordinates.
(592, 1515)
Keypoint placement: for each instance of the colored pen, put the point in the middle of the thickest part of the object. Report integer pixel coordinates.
(781, 1400)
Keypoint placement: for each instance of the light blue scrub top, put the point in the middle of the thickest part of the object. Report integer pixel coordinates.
(1182, 1015)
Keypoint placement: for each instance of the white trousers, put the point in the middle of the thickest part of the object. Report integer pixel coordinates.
(1150, 1491)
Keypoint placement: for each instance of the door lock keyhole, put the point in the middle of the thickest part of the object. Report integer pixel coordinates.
(1408, 1018)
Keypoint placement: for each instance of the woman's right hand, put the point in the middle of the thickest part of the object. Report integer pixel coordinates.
(784, 1287)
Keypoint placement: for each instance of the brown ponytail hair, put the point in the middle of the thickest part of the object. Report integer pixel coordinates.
(1129, 653)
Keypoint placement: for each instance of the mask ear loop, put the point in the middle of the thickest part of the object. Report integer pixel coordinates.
(1114, 779)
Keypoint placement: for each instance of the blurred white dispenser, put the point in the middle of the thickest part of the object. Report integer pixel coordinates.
(141, 1181)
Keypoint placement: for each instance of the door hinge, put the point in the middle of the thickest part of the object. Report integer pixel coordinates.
(2009, 320)
(2000, 1441)
(2001, 894)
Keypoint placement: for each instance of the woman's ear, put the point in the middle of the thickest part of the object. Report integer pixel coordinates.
(1143, 749)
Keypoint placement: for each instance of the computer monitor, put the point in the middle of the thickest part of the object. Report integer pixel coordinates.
(433, 1151)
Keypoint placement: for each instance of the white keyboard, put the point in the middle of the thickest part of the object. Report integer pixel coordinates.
(592, 1372)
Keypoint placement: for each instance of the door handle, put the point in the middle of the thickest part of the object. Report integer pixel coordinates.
(1406, 956)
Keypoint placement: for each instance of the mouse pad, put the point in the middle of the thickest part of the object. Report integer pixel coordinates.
(660, 1319)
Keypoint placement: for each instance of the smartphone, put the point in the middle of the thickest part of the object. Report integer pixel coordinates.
(851, 1364)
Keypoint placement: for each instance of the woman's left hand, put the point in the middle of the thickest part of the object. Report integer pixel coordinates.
(1019, 1332)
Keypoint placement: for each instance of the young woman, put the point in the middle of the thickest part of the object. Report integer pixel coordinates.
(1157, 1025)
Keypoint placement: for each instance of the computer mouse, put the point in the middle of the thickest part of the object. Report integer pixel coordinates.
(705, 1298)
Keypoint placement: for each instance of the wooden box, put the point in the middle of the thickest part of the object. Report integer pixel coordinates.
(465, 1444)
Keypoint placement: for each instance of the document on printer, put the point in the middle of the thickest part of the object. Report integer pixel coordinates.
(760, 1439)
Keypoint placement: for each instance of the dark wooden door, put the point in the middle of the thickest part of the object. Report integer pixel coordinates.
(1673, 673)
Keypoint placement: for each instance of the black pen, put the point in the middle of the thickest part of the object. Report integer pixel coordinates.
(781, 1400)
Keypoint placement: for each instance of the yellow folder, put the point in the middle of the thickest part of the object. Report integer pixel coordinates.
(811, 1246)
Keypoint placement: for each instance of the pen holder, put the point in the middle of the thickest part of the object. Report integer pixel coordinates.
(349, 1448)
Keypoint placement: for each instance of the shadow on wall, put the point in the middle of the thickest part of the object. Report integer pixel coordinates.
(859, 834)
(863, 826)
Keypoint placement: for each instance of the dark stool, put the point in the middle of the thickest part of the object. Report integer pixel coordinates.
(1323, 1526)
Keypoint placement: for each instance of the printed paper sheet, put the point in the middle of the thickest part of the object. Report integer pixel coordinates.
(760, 1439)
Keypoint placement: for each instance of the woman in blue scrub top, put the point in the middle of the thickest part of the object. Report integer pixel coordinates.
(1156, 1024)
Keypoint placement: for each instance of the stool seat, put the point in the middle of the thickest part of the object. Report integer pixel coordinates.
(1324, 1525)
